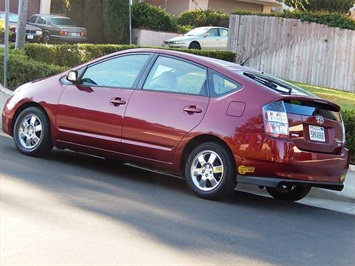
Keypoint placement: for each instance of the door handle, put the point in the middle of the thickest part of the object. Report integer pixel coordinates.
(117, 101)
(192, 109)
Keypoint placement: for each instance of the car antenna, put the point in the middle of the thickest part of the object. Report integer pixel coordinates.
(246, 59)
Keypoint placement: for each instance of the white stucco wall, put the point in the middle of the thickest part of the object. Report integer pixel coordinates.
(151, 38)
(45, 7)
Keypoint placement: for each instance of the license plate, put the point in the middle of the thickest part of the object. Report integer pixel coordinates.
(74, 34)
(316, 133)
(30, 37)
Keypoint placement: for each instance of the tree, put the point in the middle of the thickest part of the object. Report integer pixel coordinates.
(341, 6)
(116, 24)
(94, 9)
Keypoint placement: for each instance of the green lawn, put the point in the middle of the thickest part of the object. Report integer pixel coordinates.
(346, 100)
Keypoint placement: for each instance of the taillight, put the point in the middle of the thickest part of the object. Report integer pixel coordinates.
(275, 120)
(344, 133)
(84, 34)
(63, 32)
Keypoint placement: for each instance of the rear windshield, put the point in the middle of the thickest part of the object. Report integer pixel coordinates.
(311, 108)
(63, 21)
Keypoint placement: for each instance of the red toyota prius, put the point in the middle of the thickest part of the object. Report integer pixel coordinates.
(214, 123)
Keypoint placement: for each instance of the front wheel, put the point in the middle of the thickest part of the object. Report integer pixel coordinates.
(210, 171)
(195, 45)
(32, 132)
(289, 192)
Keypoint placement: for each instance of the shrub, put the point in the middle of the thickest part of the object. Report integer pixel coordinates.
(115, 21)
(151, 17)
(94, 9)
(22, 69)
(330, 19)
(349, 122)
(322, 5)
(199, 18)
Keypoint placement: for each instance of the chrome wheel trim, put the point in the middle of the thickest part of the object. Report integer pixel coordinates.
(30, 132)
(207, 170)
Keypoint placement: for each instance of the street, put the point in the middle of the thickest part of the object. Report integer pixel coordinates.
(75, 209)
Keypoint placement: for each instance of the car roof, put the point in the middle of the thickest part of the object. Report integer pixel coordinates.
(50, 15)
(213, 63)
(211, 27)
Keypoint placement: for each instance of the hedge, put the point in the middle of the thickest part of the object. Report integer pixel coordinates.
(22, 69)
(69, 55)
(349, 122)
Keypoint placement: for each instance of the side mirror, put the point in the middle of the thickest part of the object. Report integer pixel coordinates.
(206, 34)
(73, 76)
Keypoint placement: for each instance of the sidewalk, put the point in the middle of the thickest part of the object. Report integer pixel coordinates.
(341, 201)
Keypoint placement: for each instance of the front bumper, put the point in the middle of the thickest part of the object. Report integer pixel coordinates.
(176, 45)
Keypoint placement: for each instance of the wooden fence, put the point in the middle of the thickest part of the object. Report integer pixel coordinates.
(294, 50)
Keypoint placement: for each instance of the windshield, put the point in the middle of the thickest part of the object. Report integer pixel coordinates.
(63, 21)
(12, 17)
(196, 32)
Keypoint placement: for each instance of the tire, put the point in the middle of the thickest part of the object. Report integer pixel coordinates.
(32, 132)
(195, 45)
(46, 38)
(289, 192)
(210, 171)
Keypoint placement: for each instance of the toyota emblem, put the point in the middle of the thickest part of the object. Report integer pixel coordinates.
(320, 119)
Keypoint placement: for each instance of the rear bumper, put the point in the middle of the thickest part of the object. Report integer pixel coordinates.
(68, 39)
(281, 162)
(275, 182)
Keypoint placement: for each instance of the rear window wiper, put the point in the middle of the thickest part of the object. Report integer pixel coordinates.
(269, 83)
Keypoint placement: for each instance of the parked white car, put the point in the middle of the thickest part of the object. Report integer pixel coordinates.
(207, 38)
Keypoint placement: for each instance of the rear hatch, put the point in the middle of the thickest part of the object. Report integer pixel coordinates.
(311, 123)
(315, 125)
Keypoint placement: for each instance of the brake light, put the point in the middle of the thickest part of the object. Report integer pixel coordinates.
(63, 32)
(275, 120)
(343, 129)
(84, 34)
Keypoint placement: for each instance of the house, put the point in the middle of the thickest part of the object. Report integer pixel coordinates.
(34, 6)
(175, 7)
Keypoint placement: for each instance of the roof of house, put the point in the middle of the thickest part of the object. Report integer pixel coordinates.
(272, 3)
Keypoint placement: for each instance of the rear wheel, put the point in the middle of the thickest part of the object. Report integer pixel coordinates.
(210, 171)
(289, 192)
(32, 132)
(46, 38)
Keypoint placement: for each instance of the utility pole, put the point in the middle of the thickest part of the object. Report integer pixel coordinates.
(130, 21)
(6, 41)
(21, 24)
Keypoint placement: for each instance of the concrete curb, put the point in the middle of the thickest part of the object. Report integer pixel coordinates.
(6, 91)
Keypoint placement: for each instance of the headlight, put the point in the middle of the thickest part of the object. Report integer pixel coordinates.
(38, 32)
(179, 42)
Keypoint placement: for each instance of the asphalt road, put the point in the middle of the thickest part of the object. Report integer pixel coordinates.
(74, 209)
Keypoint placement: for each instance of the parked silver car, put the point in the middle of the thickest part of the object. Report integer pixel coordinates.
(58, 28)
(208, 38)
